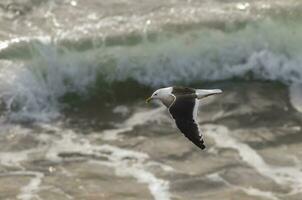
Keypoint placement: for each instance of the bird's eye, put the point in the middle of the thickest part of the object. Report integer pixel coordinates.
(155, 94)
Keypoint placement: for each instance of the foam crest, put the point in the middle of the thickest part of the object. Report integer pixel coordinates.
(215, 55)
(32, 89)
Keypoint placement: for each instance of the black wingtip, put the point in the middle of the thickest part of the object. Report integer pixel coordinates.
(202, 146)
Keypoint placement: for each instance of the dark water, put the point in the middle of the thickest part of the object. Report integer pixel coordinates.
(74, 76)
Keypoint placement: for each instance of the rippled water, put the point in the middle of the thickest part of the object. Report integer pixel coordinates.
(74, 76)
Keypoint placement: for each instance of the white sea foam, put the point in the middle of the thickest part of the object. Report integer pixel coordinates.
(215, 177)
(125, 162)
(119, 160)
(14, 158)
(296, 96)
(121, 109)
(288, 176)
(6, 43)
(29, 191)
(138, 118)
(256, 192)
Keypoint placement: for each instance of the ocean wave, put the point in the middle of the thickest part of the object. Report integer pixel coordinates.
(33, 88)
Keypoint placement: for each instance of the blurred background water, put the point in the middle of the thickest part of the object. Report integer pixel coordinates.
(74, 75)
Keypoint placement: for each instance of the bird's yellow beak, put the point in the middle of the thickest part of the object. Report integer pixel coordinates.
(148, 100)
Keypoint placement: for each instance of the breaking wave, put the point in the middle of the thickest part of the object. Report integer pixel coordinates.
(34, 86)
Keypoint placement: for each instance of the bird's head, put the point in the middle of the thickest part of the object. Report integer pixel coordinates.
(160, 94)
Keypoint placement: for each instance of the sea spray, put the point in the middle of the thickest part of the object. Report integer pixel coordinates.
(33, 89)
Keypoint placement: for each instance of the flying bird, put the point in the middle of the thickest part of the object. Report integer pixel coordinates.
(182, 103)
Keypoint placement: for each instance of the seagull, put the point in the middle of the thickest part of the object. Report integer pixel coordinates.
(182, 103)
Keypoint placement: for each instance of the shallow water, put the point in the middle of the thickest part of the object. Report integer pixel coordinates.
(74, 124)
(253, 153)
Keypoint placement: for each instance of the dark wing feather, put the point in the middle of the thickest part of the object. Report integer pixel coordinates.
(182, 111)
(190, 130)
(179, 90)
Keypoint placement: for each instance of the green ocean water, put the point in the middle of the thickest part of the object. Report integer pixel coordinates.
(74, 75)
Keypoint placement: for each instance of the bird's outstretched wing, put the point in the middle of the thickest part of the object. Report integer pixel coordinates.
(182, 112)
